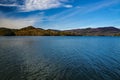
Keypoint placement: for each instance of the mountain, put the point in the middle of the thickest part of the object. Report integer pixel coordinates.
(29, 31)
(101, 31)
(32, 31)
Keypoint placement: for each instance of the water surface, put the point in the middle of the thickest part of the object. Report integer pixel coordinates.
(60, 58)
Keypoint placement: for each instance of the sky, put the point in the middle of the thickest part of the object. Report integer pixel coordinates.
(59, 14)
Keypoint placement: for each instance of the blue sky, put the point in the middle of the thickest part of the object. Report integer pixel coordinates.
(59, 14)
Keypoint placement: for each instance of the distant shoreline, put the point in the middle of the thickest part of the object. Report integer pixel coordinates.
(32, 31)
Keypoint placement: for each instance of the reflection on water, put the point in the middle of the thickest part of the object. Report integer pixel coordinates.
(59, 58)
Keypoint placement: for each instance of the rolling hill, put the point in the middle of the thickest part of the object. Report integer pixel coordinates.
(32, 31)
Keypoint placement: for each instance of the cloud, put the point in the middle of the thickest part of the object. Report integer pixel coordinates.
(9, 3)
(16, 23)
(32, 5)
(66, 18)
(84, 9)
(101, 5)
(68, 6)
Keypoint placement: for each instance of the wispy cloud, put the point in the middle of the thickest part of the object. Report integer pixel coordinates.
(66, 18)
(100, 5)
(66, 15)
(68, 6)
(16, 23)
(32, 5)
(9, 5)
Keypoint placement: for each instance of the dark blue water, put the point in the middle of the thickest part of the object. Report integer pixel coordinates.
(60, 58)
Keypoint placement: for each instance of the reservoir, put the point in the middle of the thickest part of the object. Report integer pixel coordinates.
(59, 58)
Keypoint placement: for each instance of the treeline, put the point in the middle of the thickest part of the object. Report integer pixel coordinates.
(6, 32)
(32, 31)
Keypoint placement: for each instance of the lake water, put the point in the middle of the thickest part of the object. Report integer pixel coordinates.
(60, 58)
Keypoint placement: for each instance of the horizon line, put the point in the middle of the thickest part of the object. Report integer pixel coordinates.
(63, 29)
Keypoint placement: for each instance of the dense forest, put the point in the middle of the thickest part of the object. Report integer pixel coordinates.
(32, 31)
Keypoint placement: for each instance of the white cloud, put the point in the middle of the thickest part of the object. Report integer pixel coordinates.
(10, 5)
(68, 6)
(31, 5)
(16, 23)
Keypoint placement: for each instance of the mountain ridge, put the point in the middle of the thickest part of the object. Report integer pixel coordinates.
(32, 31)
